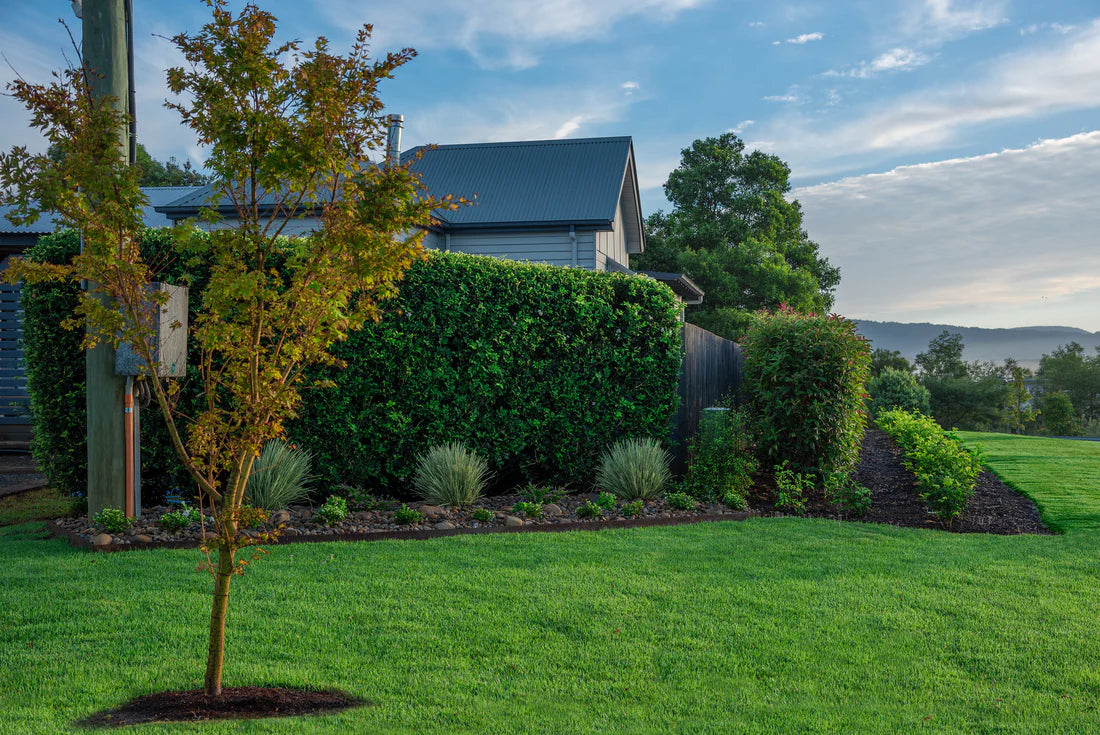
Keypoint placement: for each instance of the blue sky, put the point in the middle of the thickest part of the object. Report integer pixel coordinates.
(946, 153)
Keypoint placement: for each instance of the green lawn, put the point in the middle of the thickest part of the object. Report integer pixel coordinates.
(771, 626)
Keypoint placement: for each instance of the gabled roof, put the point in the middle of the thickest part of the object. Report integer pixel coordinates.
(576, 181)
(158, 196)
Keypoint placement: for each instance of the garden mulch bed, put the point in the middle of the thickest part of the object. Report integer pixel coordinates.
(995, 508)
(233, 704)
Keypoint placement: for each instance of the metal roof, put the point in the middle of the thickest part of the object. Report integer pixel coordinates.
(527, 183)
(680, 284)
(44, 225)
(157, 195)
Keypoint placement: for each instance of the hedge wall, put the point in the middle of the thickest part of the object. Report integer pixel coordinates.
(536, 367)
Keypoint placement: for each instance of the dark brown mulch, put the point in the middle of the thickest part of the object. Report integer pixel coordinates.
(995, 507)
(233, 704)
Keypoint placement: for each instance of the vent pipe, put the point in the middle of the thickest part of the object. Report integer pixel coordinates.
(393, 140)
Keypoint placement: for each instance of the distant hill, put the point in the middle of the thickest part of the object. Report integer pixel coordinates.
(1026, 344)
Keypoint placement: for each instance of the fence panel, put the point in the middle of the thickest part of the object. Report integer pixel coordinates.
(711, 370)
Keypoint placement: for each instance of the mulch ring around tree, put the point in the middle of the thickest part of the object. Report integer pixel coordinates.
(234, 704)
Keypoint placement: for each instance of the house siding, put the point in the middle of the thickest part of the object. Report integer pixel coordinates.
(610, 243)
(553, 248)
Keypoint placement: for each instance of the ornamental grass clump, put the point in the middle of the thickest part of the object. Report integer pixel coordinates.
(280, 476)
(450, 474)
(634, 469)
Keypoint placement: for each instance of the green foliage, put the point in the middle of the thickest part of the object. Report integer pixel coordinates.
(634, 469)
(681, 501)
(280, 476)
(735, 500)
(360, 499)
(897, 389)
(633, 508)
(842, 490)
(720, 456)
(152, 172)
(1070, 370)
(483, 515)
(946, 472)
(588, 509)
(332, 511)
(536, 367)
(607, 501)
(791, 488)
(966, 395)
(177, 520)
(1059, 415)
(111, 520)
(541, 494)
(803, 380)
(944, 357)
(450, 474)
(531, 510)
(407, 516)
(881, 359)
(1022, 413)
(734, 233)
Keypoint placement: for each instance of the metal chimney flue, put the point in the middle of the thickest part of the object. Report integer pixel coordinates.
(393, 140)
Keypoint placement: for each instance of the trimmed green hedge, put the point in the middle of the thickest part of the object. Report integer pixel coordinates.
(537, 368)
(804, 377)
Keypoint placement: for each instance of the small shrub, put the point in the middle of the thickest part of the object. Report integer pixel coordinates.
(531, 510)
(177, 520)
(111, 520)
(542, 494)
(634, 469)
(280, 476)
(483, 515)
(842, 490)
(945, 471)
(804, 376)
(334, 510)
(898, 389)
(360, 499)
(681, 501)
(633, 508)
(791, 488)
(588, 509)
(249, 517)
(407, 516)
(720, 456)
(450, 474)
(607, 501)
(735, 500)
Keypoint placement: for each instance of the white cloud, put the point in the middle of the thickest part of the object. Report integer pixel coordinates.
(806, 38)
(788, 97)
(1032, 29)
(756, 24)
(741, 127)
(497, 33)
(940, 20)
(1004, 239)
(1062, 76)
(896, 59)
(629, 87)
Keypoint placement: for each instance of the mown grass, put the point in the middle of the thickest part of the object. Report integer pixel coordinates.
(33, 505)
(770, 626)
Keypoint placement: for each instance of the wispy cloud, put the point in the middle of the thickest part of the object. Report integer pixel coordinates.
(939, 20)
(628, 87)
(967, 241)
(806, 38)
(741, 127)
(497, 33)
(1033, 28)
(896, 59)
(790, 97)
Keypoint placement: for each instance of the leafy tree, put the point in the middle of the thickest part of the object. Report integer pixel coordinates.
(962, 395)
(1021, 407)
(734, 233)
(898, 389)
(289, 127)
(1059, 415)
(944, 357)
(1070, 370)
(883, 359)
(151, 171)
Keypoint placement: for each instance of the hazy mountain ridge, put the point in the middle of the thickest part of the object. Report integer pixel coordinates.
(1025, 344)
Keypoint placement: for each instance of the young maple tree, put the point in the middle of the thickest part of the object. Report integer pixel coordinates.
(288, 132)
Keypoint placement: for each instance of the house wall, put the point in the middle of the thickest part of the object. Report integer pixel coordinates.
(610, 243)
(553, 248)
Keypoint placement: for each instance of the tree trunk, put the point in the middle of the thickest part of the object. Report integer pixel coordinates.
(216, 654)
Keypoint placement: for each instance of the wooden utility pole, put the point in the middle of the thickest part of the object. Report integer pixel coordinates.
(104, 56)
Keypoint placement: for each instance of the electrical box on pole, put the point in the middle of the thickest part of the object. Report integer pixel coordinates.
(169, 339)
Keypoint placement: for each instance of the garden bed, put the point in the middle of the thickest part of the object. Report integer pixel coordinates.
(995, 508)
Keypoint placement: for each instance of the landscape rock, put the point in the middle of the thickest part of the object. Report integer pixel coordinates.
(553, 509)
(512, 521)
(280, 516)
(143, 538)
(102, 539)
(432, 511)
(444, 526)
(210, 535)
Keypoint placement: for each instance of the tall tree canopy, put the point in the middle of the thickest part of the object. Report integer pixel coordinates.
(152, 172)
(735, 234)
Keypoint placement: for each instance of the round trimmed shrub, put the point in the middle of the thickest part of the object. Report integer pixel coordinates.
(892, 389)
